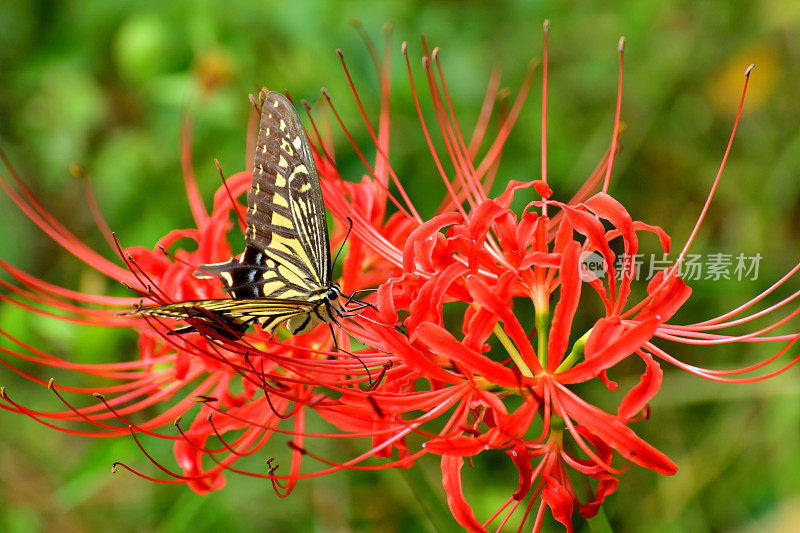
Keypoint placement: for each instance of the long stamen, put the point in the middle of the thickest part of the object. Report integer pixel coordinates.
(700, 218)
(448, 136)
(381, 144)
(370, 170)
(426, 133)
(673, 271)
(545, 61)
(621, 48)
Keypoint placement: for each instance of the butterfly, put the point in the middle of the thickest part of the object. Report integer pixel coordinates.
(284, 274)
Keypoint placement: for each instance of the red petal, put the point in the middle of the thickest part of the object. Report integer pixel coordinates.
(460, 446)
(525, 228)
(543, 189)
(648, 386)
(663, 238)
(566, 306)
(608, 208)
(519, 454)
(428, 304)
(398, 344)
(190, 458)
(486, 297)
(425, 231)
(595, 233)
(443, 344)
(542, 259)
(609, 343)
(483, 217)
(669, 297)
(451, 481)
(513, 186)
(559, 500)
(615, 433)
(477, 327)
(607, 485)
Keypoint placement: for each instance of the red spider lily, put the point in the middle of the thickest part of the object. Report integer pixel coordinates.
(464, 393)
(477, 250)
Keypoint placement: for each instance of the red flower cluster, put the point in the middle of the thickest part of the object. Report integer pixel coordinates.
(468, 372)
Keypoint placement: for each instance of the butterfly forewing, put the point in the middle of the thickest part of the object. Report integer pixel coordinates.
(285, 215)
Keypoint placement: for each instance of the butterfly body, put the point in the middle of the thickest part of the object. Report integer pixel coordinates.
(284, 274)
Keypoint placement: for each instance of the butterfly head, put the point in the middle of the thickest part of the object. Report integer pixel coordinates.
(334, 292)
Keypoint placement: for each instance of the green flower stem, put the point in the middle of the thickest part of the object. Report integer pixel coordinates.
(512, 351)
(542, 329)
(576, 353)
(431, 501)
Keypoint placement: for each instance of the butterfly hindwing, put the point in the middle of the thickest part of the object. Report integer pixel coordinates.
(236, 314)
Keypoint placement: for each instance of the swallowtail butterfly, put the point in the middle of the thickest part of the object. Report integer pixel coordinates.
(284, 273)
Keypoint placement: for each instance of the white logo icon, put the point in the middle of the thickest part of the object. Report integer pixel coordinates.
(592, 266)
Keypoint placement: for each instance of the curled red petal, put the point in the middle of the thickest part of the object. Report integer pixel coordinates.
(595, 233)
(428, 304)
(486, 297)
(482, 218)
(543, 189)
(668, 297)
(648, 386)
(513, 186)
(400, 345)
(519, 454)
(451, 481)
(190, 459)
(559, 500)
(542, 259)
(427, 230)
(663, 238)
(608, 208)
(606, 485)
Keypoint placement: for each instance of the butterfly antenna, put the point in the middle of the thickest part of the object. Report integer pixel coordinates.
(347, 235)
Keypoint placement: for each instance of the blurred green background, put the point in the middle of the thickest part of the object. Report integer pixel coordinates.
(108, 84)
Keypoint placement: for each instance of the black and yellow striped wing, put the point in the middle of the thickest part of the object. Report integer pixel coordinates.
(285, 271)
(286, 216)
(288, 251)
(231, 317)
